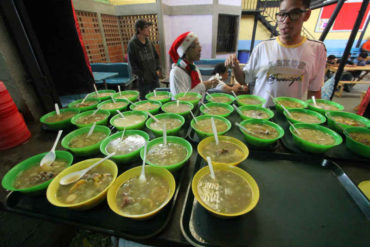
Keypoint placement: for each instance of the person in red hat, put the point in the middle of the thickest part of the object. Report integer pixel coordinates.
(185, 75)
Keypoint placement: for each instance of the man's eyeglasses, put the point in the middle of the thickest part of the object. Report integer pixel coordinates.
(294, 15)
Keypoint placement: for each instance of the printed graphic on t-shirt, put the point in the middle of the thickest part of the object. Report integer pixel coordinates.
(286, 71)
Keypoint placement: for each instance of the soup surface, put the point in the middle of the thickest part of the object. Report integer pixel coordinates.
(347, 121)
(177, 109)
(289, 104)
(147, 106)
(91, 184)
(250, 101)
(91, 118)
(84, 141)
(216, 110)
(188, 97)
(62, 116)
(220, 99)
(258, 114)
(171, 123)
(205, 125)
(126, 96)
(325, 106)
(37, 175)
(101, 95)
(128, 144)
(161, 154)
(228, 193)
(263, 131)
(315, 136)
(129, 120)
(86, 104)
(224, 152)
(364, 138)
(135, 197)
(159, 97)
(111, 106)
(304, 117)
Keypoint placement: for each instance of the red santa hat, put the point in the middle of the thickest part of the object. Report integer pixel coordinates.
(181, 44)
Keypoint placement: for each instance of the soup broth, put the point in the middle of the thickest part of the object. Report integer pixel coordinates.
(171, 123)
(228, 193)
(363, 138)
(161, 154)
(325, 106)
(347, 121)
(84, 141)
(315, 136)
(90, 185)
(205, 125)
(224, 152)
(289, 104)
(147, 106)
(126, 96)
(136, 198)
(304, 117)
(91, 118)
(220, 99)
(37, 175)
(188, 98)
(263, 131)
(173, 108)
(258, 114)
(159, 97)
(128, 144)
(86, 104)
(250, 101)
(216, 110)
(111, 106)
(62, 116)
(101, 95)
(129, 120)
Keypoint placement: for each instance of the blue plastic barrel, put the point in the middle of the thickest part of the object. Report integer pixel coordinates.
(243, 56)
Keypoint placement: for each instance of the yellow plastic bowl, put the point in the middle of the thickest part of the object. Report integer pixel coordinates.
(135, 172)
(245, 175)
(229, 139)
(51, 193)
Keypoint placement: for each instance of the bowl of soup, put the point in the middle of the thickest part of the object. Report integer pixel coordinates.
(80, 144)
(131, 198)
(261, 133)
(102, 94)
(190, 97)
(86, 192)
(255, 112)
(220, 98)
(233, 191)
(182, 108)
(112, 107)
(216, 109)
(88, 118)
(171, 156)
(29, 177)
(248, 99)
(131, 95)
(161, 96)
(339, 120)
(130, 120)
(88, 104)
(358, 140)
(322, 106)
(127, 147)
(203, 125)
(62, 121)
(172, 121)
(304, 116)
(314, 138)
(289, 103)
(150, 106)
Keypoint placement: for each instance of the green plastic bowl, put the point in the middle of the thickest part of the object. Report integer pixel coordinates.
(321, 110)
(320, 117)
(173, 139)
(10, 176)
(131, 127)
(339, 126)
(125, 93)
(254, 107)
(150, 96)
(88, 150)
(65, 124)
(94, 96)
(260, 142)
(249, 96)
(202, 134)
(185, 113)
(153, 111)
(313, 147)
(280, 109)
(356, 146)
(223, 105)
(85, 108)
(210, 97)
(198, 97)
(86, 113)
(124, 158)
(113, 111)
(174, 131)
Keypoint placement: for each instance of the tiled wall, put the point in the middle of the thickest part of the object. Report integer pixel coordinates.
(113, 38)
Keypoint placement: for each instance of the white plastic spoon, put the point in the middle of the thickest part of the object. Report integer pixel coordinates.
(95, 111)
(286, 110)
(186, 92)
(84, 99)
(96, 90)
(209, 161)
(234, 94)
(119, 89)
(209, 95)
(314, 102)
(142, 174)
(91, 129)
(205, 106)
(214, 129)
(49, 158)
(123, 134)
(155, 93)
(177, 103)
(154, 118)
(196, 121)
(114, 101)
(120, 113)
(57, 109)
(75, 176)
(295, 129)
(243, 128)
(237, 109)
(164, 134)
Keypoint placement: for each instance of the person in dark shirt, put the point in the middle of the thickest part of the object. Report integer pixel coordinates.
(143, 59)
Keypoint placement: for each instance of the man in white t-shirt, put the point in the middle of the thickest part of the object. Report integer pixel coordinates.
(289, 65)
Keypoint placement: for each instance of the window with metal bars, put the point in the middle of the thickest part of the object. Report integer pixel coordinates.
(226, 33)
